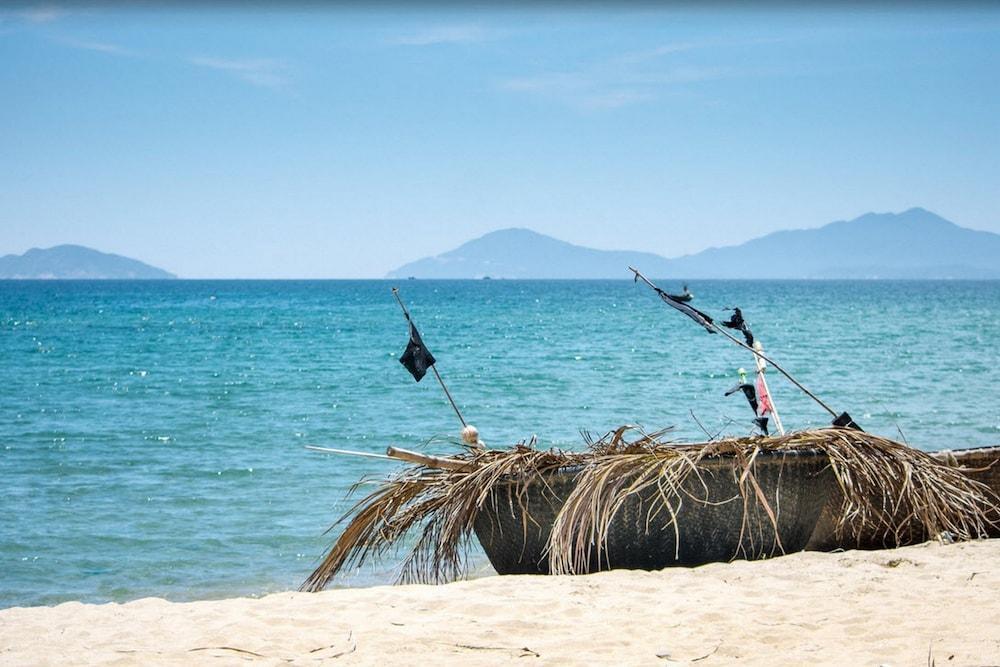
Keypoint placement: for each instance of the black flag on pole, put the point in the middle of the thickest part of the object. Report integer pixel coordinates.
(737, 322)
(416, 357)
(695, 314)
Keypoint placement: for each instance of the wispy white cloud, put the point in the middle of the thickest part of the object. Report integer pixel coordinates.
(30, 15)
(266, 72)
(656, 52)
(613, 84)
(550, 82)
(101, 47)
(41, 14)
(633, 77)
(453, 34)
(614, 99)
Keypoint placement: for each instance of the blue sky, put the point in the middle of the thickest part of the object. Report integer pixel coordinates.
(331, 143)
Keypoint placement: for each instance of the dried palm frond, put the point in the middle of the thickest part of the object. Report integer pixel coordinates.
(441, 504)
(887, 494)
(981, 464)
(658, 474)
(615, 442)
(893, 494)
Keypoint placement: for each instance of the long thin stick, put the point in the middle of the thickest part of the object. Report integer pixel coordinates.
(448, 394)
(347, 452)
(776, 367)
(395, 293)
(755, 352)
(397, 454)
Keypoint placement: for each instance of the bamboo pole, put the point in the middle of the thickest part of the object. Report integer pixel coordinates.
(761, 367)
(757, 354)
(395, 293)
(427, 459)
(761, 355)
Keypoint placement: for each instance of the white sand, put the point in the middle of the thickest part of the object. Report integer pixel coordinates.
(897, 607)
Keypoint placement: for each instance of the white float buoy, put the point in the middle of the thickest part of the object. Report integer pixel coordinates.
(470, 436)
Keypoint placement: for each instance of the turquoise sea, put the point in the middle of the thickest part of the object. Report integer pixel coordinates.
(152, 433)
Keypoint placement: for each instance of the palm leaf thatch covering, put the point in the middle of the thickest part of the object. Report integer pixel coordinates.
(981, 464)
(906, 509)
(634, 500)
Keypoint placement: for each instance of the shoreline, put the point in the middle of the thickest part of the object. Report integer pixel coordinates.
(912, 605)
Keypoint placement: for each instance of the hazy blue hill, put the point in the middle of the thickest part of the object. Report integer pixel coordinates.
(912, 244)
(75, 262)
(522, 253)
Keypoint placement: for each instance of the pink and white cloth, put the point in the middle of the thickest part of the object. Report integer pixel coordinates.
(763, 398)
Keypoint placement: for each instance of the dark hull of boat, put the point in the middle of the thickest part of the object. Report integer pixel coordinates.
(712, 524)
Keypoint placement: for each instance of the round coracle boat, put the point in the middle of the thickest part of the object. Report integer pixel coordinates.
(647, 504)
(713, 514)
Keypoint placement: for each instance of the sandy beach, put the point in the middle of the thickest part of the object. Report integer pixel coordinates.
(928, 604)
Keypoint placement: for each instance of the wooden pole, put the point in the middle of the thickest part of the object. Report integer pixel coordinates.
(395, 293)
(761, 367)
(761, 355)
(448, 394)
(427, 459)
(757, 354)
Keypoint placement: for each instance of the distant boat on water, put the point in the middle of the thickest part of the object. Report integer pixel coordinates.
(684, 296)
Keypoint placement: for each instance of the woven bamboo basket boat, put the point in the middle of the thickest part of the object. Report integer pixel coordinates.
(647, 504)
(713, 519)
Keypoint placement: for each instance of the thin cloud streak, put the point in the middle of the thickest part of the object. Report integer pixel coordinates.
(634, 77)
(611, 88)
(456, 34)
(614, 99)
(100, 47)
(635, 57)
(265, 72)
(41, 14)
(31, 15)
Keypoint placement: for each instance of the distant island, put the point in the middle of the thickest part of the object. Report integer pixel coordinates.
(522, 253)
(74, 262)
(913, 244)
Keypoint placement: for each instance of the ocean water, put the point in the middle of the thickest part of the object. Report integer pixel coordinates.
(152, 433)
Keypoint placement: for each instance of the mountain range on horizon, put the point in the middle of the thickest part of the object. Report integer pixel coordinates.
(76, 262)
(914, 244)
